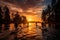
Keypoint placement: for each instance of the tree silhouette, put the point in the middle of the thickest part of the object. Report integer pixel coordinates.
(7, 17)
(24, 20)
(0, 19)
(17, 20)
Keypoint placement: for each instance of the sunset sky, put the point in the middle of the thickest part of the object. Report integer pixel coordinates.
(30, 8)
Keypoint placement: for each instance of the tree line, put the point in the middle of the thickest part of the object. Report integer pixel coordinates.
(6, 20)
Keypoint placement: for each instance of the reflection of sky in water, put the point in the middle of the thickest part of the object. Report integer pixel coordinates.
(30, 30)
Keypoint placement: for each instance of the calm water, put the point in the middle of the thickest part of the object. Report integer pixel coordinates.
(28, 33)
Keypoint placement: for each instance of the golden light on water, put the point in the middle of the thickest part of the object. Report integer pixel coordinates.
(30, 24)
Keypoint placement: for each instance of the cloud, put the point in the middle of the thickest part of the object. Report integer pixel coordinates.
(33, 10)
(25, 4)
(25, 7)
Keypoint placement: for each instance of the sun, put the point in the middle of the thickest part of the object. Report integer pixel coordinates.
(30, 19)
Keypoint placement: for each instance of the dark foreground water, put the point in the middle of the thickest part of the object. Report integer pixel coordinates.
(29, 33)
